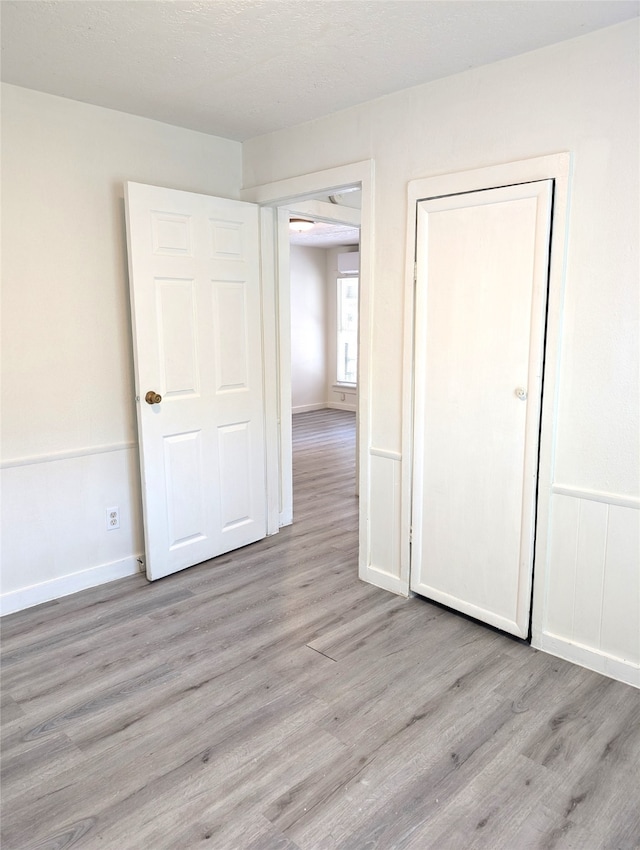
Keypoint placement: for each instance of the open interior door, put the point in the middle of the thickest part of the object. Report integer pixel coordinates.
(194, 271)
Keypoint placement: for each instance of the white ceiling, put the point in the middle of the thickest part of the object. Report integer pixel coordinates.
(241, 68)
(326, 235)
(336, 220)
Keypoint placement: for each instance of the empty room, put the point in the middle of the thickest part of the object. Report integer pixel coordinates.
(320, 424)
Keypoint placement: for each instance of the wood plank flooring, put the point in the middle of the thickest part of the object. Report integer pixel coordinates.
(268, 700)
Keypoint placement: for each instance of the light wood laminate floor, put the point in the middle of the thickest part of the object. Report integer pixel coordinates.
(268, 700)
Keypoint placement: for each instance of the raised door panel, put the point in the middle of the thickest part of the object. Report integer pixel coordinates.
(186, 507)
(177, 337)
(231, 332)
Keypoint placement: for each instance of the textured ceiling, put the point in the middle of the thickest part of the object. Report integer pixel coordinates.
(241, 68)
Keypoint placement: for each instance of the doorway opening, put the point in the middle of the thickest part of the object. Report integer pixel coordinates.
(323, 261)
(324, 275)
(277, 199)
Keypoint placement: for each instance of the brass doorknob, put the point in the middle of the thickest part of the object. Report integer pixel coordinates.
(152, 397)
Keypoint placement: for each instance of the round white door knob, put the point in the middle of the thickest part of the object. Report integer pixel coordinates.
(521, 393)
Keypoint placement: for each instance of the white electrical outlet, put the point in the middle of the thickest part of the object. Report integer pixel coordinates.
(113, 518)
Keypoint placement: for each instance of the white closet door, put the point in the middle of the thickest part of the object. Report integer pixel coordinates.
(482, 269)
(195, 300)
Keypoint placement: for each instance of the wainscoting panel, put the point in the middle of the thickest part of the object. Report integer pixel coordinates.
(383, 568)
(620, 633)
(55, 539)
(593, 595)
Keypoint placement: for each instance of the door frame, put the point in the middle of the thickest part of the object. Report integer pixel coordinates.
(556, 167)
(273, 199)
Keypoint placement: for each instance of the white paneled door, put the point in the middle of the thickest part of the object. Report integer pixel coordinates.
(481, 292)
(195, 302)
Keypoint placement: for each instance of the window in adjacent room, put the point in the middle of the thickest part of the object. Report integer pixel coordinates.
(347, 330)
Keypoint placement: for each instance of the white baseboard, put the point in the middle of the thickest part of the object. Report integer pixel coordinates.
(592, 659)
(36, 594)
(305, 408)
(341, 405)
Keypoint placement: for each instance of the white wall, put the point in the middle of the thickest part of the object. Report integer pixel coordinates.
(580, 96)
(68, 411)
(308, 328)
